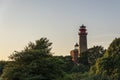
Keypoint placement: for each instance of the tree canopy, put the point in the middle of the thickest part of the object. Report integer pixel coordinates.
(109, 64)
(35, 62)
(91, 55)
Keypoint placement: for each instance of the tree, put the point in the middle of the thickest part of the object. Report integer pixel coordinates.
(91, 55)
(2, 64)
(68, 63)
(95, 53)
(109, 64)
(35, 62)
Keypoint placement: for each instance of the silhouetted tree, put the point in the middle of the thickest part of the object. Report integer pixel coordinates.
(91, 55)
(109, 64)
(2, 65)
(35, 62)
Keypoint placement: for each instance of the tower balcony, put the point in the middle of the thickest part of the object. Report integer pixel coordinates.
(82, 33)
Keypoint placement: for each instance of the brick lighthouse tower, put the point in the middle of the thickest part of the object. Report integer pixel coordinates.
(82, 39)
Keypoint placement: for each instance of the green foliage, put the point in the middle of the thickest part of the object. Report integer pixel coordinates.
(2, 64)
(91, 55)
(68, 64)
(95, 53)
(97, 77)
(79, 68)
(35, 62)
(89, 58)
(109, 64)
(81, 76)
(84, 76)
(40, 47)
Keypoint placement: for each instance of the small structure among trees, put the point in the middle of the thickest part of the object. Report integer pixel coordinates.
(74, 54)
(82, 46)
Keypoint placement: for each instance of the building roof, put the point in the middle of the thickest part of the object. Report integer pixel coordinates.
(82, 26)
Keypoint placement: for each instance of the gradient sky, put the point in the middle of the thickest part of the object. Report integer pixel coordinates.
(22, 21)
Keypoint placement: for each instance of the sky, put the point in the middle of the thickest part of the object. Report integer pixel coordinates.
(22, 21)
